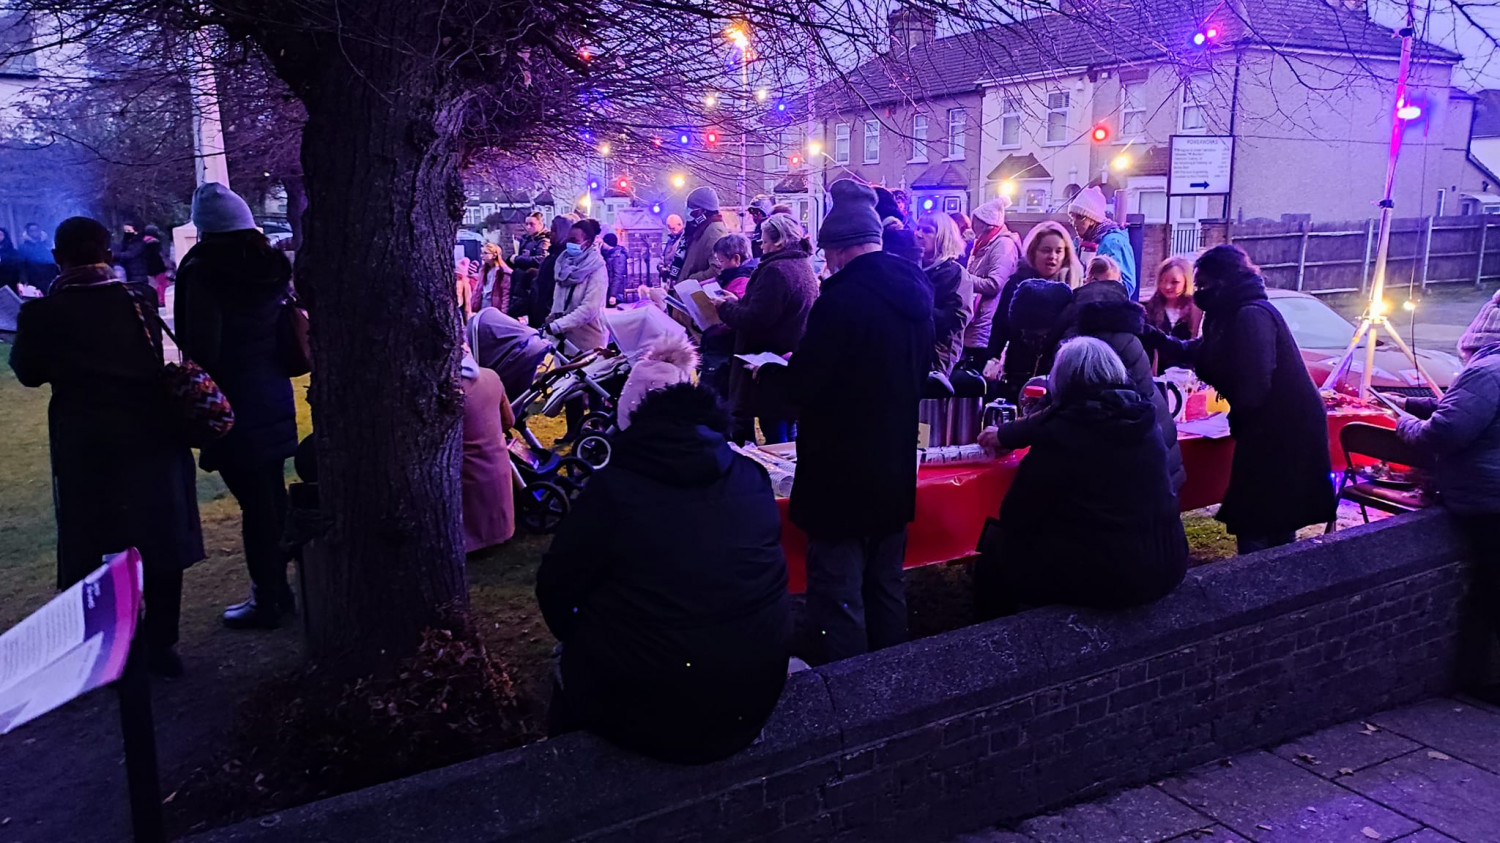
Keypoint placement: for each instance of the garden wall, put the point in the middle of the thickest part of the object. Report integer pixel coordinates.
(992, 722)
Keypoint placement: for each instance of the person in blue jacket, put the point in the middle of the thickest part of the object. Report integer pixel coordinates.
(1111, 240)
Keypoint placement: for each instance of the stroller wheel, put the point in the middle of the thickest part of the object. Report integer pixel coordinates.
(597, 423)
(572, 474)
(544, 506)
(594, 450)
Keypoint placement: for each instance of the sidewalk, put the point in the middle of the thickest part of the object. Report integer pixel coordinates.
(1429, 773)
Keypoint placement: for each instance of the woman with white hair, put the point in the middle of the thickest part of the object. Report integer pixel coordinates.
(952, 288)
(772, 317)
(1091, 518)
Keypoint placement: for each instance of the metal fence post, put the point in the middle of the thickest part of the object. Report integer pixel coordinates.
(1426, 253)
(1364, 276)
(1302, 258)
(1484, 228)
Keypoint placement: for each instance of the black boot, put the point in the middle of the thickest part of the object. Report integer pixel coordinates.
(163, 661)
(261, 611)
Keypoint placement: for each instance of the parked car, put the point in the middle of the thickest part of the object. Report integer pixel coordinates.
(276, 231)
(1323, 336)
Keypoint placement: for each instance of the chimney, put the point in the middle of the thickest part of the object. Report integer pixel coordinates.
(910, 27)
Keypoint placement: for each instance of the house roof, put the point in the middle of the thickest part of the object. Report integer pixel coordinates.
(942, 176)
(1486, 115)
(1115, 35)
(1018, 167)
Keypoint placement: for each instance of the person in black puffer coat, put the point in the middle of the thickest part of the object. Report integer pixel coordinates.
(1032, 326)
(230, 290)
(1280, 480)
(1102, 309)
(1091, 519)
(674, 644)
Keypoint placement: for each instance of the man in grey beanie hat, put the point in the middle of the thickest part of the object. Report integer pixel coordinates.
(217, 209)
(695, 248)
(857, 375)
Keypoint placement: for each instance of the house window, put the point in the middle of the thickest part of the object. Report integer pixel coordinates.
(1132, 110)
(1010, 122)
(1153, 204)
(1193, 118)
(1057, 117)
(872, 141)
(1036, 195)
(841, 144)
(958, 119)
(919, 137)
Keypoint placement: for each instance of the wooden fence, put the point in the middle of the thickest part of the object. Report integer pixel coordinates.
(1339, 257)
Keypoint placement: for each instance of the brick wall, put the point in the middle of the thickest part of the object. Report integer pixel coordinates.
(992, 722)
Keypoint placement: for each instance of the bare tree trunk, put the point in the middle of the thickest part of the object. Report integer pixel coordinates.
(381, 175)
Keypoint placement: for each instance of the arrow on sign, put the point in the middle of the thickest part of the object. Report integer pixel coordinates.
(1202, 185)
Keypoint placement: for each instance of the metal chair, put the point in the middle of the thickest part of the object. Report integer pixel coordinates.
(1382, 445)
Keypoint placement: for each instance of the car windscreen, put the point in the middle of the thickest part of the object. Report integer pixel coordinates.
(1313, 323)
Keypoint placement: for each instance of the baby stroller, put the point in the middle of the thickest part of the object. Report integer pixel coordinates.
(545, 481)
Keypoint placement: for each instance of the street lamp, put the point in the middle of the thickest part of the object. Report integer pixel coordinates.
(1120, 163)
(739, 35)
(1007, 188)
(815, 148)
(679, 181)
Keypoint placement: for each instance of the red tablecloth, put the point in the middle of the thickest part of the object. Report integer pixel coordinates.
(954, 501)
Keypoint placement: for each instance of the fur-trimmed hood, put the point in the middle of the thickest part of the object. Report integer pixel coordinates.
(670, 360)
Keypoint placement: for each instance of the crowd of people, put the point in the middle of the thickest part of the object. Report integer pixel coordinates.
(675, 641)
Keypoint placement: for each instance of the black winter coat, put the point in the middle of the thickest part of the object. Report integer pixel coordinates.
(139, 258)
(1035, 309)
(858, 376)
(1103, 310)
(540, 306)
(228, 310)
(121, 474)
(1280, 481)
(530, 254)
(1091, 518)
(771, 317)
(952, 306)
(674, 641)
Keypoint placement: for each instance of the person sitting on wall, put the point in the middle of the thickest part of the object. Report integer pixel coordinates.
(675, 642)
(1462, 433)
(1091, 518)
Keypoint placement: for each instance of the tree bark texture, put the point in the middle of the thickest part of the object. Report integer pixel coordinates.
(381, 168)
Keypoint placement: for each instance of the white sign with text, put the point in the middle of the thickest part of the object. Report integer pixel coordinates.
(1201, 165)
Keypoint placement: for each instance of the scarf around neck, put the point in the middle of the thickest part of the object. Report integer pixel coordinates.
(570, 270)
(83, 276)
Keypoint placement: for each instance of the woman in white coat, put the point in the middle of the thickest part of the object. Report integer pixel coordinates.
(578, 303)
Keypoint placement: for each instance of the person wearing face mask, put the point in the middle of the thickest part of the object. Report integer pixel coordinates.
(1110, 239)
(1461, 432)
(695, 249)
(1279, 481)
(582, 285)
(1023, 331)
(858, 375)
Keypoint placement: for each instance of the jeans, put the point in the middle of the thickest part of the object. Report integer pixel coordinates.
(856, 600)
(260, 490)
(1254, 542)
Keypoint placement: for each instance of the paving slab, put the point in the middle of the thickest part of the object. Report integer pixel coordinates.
(1211, 834)
(1452, 796)
(1456, 728)
(1142, 815)
(1347, 746)
(1426, 835)
(1271, 800)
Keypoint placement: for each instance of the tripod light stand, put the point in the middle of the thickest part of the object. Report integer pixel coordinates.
(1375, 322)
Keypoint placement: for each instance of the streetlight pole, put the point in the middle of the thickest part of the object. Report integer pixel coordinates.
(744, 127)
